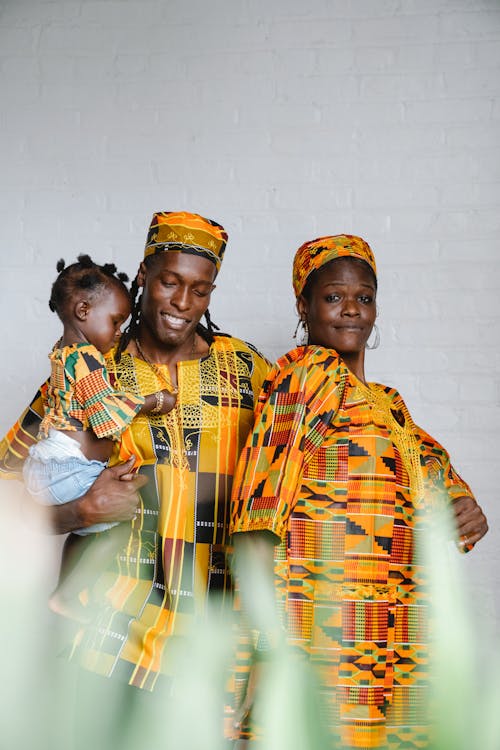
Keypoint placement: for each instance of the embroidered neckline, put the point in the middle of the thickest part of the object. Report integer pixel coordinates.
(400, 425)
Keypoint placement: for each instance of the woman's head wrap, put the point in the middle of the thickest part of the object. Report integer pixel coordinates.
(183, 232)
(312, 255)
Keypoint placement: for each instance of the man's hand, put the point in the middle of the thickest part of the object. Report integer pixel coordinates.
(112, 497)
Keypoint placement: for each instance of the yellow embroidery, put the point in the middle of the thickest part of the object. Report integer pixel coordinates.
(401, 426)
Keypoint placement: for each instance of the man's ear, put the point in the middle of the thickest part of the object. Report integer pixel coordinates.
(81, 309)
(141, 274)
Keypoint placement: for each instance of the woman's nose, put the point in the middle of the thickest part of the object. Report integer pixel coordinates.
(350, 307)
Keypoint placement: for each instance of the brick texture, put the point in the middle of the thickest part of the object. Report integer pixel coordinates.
(284, 121)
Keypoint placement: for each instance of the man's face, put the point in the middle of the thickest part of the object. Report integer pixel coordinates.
(176, 293)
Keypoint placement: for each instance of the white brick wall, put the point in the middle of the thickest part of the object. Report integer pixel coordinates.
(284, 120)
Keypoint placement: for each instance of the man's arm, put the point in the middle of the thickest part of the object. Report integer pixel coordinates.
(112, 497)
(15, 445)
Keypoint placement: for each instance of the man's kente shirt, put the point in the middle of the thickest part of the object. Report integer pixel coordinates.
(176, 553)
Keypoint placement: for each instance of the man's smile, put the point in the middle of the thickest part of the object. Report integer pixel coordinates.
(174, 321)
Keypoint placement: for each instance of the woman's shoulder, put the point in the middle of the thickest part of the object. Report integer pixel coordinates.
(310, 358)
(396, 400)
(390, 392)
(396, 404)
(307, 367)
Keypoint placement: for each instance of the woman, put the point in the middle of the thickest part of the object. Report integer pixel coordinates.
(337, 475)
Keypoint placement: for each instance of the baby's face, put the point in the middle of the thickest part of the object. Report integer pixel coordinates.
(107, 313)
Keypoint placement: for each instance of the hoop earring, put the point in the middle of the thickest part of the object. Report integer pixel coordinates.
(303, 335)
(376, 342)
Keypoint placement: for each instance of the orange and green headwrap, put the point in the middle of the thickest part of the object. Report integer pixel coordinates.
(182, 232)
(312, 255)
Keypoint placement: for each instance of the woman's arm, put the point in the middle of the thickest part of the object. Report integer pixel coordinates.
(470, 522)
(254, 567)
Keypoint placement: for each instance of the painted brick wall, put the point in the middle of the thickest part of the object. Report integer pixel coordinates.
(284, 120)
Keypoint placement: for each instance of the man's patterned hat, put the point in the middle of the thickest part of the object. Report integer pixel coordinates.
(312, 255)
(182, 232)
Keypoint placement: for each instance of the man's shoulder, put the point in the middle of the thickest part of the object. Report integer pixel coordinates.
(226, 342)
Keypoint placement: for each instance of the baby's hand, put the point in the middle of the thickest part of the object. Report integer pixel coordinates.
(169, 401)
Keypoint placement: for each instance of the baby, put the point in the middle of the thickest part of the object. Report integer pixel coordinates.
(84, 414)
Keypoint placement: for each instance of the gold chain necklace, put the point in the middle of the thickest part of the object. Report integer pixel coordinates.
(156, 369)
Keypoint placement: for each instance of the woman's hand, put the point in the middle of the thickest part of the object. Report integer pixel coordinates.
(470, 521)
(112, 497)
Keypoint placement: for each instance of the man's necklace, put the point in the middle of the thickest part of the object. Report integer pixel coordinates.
(156, 369)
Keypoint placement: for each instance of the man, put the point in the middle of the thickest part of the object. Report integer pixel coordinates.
(176, 553)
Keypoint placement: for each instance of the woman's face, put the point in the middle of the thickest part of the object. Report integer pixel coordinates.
(341, 309)
(176, 293)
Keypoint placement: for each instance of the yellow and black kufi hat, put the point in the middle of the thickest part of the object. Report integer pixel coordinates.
(183, 232)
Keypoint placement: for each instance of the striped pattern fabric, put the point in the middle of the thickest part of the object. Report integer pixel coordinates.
(14, 447)
(322, 471)
(176, 553)
(81, 397)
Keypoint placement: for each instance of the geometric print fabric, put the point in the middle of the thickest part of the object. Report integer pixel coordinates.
(343, 511)
(176, 554)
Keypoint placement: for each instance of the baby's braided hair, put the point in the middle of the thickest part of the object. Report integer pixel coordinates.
(84, 275)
